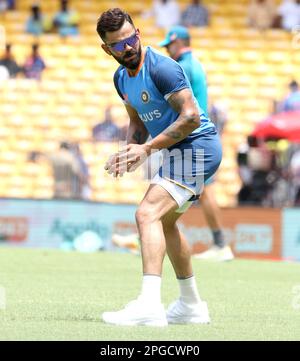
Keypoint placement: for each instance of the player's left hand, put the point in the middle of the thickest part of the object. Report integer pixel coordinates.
(127, 159)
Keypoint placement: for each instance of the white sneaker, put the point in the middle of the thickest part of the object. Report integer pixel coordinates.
(216, 253)
(138, 312)
(181, 312)
(130, 241)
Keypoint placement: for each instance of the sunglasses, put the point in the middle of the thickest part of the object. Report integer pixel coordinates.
(121, 45)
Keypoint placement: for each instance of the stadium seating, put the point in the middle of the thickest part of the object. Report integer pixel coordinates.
(246, 70)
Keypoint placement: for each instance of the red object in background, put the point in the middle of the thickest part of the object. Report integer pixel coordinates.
(14, 229)
(284, 125)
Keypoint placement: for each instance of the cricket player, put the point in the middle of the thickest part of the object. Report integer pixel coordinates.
(159, 100)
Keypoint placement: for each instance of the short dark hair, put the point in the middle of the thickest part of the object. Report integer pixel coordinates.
(65, 145)
(112, 20)
(187, 42)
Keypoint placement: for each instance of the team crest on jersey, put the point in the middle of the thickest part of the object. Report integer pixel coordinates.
(145, 96)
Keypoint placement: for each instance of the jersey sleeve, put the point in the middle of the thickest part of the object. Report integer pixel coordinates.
(168, 76)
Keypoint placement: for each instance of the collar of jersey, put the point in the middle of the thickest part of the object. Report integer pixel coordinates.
(182, 52)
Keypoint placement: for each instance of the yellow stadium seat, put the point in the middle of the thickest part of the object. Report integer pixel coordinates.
(252, 56)
(278, 57)
(296, 58)
(224, 55)
(42, 193)
(276, 35)
(6, 168)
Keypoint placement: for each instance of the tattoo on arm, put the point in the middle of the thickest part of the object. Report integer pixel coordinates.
(174, 134)
(137, 136)
(181, 127)
(176, 101)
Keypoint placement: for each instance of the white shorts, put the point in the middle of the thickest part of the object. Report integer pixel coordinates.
(181, 195)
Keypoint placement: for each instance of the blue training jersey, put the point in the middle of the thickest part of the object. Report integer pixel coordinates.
(149, 90)
(196, 76)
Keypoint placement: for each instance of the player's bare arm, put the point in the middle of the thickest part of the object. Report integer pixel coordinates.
(137, 132)
(120, 162)
(189, 120)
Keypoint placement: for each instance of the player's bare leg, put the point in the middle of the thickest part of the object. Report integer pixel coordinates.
(189, 308)
(147, 308)
(156, 203)
(211, 208)
(177, 246)
(219, 251)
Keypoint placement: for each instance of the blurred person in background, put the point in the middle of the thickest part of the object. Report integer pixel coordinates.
(7, 5)
(245, 174)
(3, 6)
(34, 65)
(66, 170)
(289, 14)
(4, 74)
(195, 14)
(11, 4)
(37, 23)
(218, 115)
(256, 168)
(292, 101)
(82, 179)
(165, 12)
(279, 176)
(261, 14)
(178, 45)
(107, 130)
(8, 61)
(66, 21)
(295, 176)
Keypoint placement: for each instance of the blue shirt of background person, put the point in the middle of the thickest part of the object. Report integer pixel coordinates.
(34, 65)
(191, 66)
(292, 102)
(106, 131)
(66, 21)
(36, 24)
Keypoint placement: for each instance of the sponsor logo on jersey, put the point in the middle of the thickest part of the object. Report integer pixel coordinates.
(148, 117)
(145, 96)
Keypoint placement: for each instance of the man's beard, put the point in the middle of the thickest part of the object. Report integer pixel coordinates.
(131, 64)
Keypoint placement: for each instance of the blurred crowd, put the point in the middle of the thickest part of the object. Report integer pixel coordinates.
(262, 14)
(70, 171)
(31, 69)
(65, 22)
(269, 169)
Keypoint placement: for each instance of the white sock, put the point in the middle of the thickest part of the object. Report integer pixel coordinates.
(188, 290)
(151, 288)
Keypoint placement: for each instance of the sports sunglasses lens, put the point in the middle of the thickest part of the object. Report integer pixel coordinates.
(121, 45)
(132, 41)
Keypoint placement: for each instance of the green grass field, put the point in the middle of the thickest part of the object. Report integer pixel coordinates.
(53, 295)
